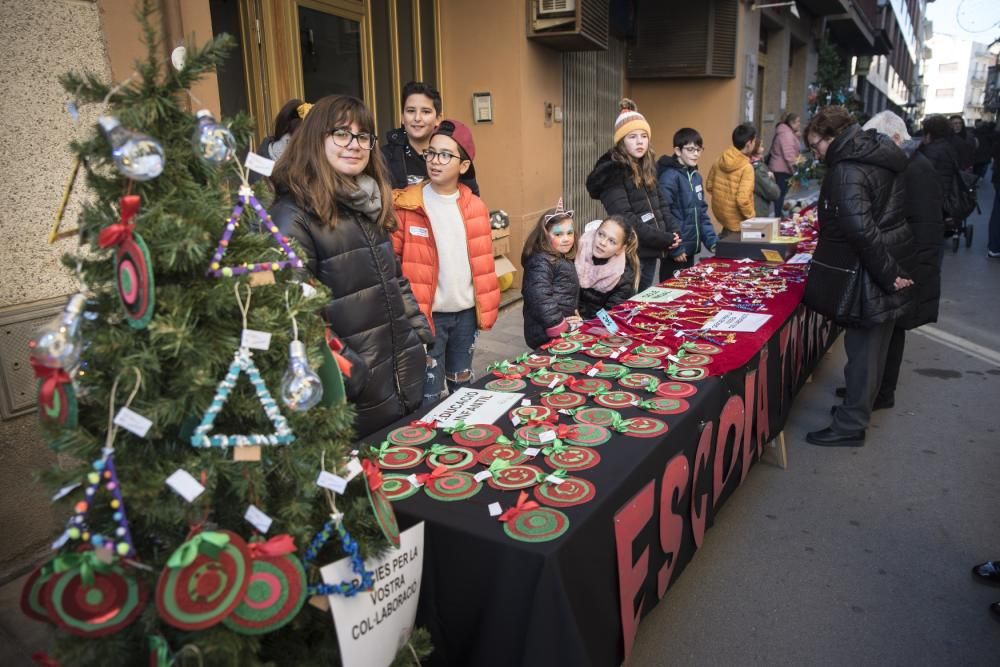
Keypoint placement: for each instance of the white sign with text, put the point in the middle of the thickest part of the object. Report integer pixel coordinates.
(373, 625)
(736, 320)
(472, 406)
(659, 295)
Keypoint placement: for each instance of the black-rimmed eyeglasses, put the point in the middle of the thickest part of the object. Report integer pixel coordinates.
(343, 138)
(444, 157)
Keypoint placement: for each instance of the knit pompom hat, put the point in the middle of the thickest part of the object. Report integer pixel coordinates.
(629, 120)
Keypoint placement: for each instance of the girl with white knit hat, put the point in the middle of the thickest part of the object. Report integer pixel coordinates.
(624, 179)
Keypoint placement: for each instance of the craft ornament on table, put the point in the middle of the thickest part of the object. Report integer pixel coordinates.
(89, 597)
(385, 516)
(276, 591)
(247, 197)
(133, 266)
(77, 529)
(57, 404)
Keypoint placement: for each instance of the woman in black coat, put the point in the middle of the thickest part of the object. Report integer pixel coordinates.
(859, 275)
(331, 196)
(939, 147)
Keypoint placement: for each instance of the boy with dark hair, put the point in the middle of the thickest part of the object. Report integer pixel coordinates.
(403, 150)
(681, 186)
(444, 243)
(731, 180)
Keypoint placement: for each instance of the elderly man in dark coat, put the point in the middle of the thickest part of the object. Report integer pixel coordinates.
(923, 215)
(860, 272)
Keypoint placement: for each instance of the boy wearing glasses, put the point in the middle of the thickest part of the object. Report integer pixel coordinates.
(444, 242)
(681, 186)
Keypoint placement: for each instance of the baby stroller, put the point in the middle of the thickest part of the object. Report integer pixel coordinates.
(958, 231)
(962, 201)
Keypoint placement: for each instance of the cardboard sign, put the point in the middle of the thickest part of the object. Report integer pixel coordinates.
(736, 320)
(659, 295)
(373, 625)
(472, 406)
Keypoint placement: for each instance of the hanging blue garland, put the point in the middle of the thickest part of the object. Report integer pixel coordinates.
(347, 589)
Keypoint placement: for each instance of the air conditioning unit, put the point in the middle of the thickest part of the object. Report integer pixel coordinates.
(569, 25)
(548, 8)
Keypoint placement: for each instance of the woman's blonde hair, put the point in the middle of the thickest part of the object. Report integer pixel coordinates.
(304, 171)
(538, 239)
(630, 246)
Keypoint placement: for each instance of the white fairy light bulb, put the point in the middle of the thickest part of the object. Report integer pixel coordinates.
(212, 142)
(301, 388)
(59, 343)
(136, 155)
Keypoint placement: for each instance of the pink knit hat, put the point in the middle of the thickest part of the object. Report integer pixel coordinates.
(629, 120)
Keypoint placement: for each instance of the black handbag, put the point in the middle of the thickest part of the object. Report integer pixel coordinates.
(961, 200)
(836, 292)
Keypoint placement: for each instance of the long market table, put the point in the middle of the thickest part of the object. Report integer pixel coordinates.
(489, 599)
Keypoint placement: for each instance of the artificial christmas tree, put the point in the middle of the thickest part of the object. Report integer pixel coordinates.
(156, 569)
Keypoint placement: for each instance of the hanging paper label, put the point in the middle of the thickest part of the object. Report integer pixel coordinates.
(673, 358)
(66, 490)
(614, 355)
(328, 480)
(515, 420)
(246, 453)
(259, 163)
(531, 452)
(261, 278)
(482, 475)
(546, 436)
(495, 509)
(374, 625)
(354, 468)
(526, 403)
(552, 385)
(555, 481)
(256, 340)
(593, 371)
(258, 519)
(133, 422)
(606, 320)
(412, 479)
(185, 485)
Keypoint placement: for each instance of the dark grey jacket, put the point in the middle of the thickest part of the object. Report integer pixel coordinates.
(371, 310)
(863, 233)
(923, 214)
(551, 293)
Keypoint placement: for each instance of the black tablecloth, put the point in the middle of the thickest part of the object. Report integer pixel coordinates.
(490, 600)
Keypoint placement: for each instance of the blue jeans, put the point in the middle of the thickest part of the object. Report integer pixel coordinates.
(451, 357)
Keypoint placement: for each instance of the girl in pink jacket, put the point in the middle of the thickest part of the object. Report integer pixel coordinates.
(785, 149)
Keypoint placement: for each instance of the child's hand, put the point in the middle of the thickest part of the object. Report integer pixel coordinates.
(574, 322)
(683, 257)
(677, 241)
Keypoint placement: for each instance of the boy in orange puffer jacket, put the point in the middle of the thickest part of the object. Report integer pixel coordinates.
(444, 242)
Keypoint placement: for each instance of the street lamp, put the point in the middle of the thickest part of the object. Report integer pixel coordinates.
(771, 5)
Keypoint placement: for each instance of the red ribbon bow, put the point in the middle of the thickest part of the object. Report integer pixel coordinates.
(416, 423)
(523, 505)
(440, 471)
(599, 365)
(549, 344)
(373, 474)
(336, 347)
(508, 376)
(51, 379)
(121, 231)
(563, 431)
(539, 422)
(279, 545)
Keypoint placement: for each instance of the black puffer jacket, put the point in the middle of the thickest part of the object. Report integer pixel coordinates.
(863, 232)
(941, 153)
(592, 300)
(371, 310)
(612, 183)
(923, 215)
(396, 151)
(550, 290)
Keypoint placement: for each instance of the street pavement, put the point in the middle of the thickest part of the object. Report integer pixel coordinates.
(851, 556)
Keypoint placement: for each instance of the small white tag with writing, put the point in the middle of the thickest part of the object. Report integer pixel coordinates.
(419, 231)
(133, 422)
(255, 340)
(259, 163)
(546, 436)
(482, 475)
(258, 519)
(328, 480)
(495, 509)
(185, 485)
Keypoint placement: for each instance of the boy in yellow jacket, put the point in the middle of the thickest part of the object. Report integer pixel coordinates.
(731, 180)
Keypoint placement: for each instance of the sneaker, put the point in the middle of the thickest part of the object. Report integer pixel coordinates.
(990, 253)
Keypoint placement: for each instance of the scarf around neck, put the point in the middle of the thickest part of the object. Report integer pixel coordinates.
(366, 199)
(603, 277)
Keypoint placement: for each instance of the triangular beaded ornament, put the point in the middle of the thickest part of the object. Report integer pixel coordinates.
(246, 197)
(77, 529)
(242, 363)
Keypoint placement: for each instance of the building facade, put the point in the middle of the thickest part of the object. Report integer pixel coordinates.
(956, 76)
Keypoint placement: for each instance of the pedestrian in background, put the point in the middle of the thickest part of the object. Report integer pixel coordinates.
(607, 265)
(550, 287)
(993, 247)
(964, 143)
(682, 188)
(765, 189)
(984, 133)
(858, 275)
(333, 198)
(785, 150)
(444, 242)
(285, 123)
(624, 179)
(922, 207)
(731, 181)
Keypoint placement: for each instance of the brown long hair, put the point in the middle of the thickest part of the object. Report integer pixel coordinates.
(538, 239)
(630, 246)
(304, 172)
(643, 170)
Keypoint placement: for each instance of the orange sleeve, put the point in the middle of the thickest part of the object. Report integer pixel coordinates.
(744, 193)
(399, 235)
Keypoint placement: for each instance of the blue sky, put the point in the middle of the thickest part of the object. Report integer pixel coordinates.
(976, 20)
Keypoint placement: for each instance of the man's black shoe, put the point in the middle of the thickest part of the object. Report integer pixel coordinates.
(841, 392)
(830, 438)
(883, 405)
(988, 572)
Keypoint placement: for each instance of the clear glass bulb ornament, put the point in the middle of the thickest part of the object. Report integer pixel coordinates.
(136, 155)
(59, 343)
(301, 388)
(212, 142)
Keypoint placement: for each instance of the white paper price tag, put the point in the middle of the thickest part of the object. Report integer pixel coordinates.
(546, 436)
(515, 420)
(495, 509)
(482, 475)
(256, 340)
(258, 519)
(673, 359)
(259, 163)
(63, 492)
(531, 452)
(353, 469)
(133, 422)
(614, 355)
(185, 485)
(526, 402)
(717, 296)
(593, 371)
(412, 479)
(552, 385)
(308, 291)
(556, 481)
(328, 480)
